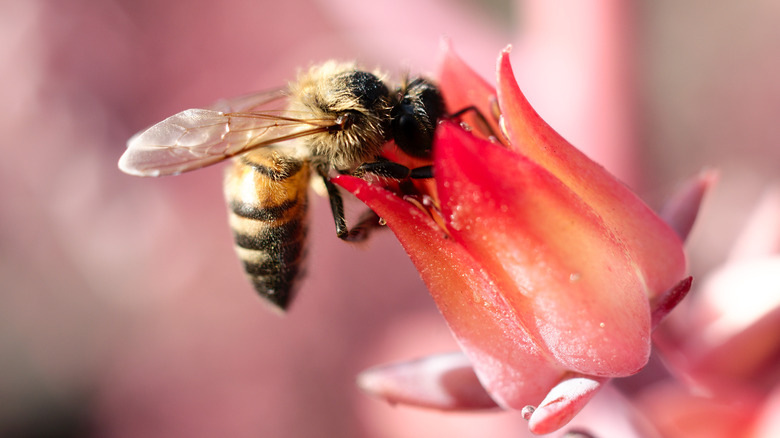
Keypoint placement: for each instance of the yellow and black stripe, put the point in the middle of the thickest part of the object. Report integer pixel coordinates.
(266, 193)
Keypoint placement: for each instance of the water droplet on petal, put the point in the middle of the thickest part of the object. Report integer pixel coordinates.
(527, 411)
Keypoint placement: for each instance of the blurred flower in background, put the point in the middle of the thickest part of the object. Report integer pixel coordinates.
(123, 311)
(722, 346)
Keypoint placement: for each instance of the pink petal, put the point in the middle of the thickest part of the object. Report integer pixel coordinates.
(675, 411)
(445, 381)
(739, 341)
(761, 235)
(681, 209)
(506, 359)
(768, 423)
(555, 264)
(656, 249)
(563, 402)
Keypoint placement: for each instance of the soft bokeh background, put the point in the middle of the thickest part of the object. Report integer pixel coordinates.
(123, 311)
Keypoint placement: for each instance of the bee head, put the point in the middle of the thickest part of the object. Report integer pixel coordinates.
(419, 106)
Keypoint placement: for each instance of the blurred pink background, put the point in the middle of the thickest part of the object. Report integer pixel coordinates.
(123, 310)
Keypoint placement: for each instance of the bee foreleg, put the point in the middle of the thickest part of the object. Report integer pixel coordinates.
(423, 172)
(390, 169)
(385, 168)
(336, 205)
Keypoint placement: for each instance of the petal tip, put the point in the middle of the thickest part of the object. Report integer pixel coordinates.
(709, 178)
(445, 382)
(562, 403)
(503, 58)
(682, 208)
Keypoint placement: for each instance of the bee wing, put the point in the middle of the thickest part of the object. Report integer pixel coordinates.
(263, 101)
(197, 138)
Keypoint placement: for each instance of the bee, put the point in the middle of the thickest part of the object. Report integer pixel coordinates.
(335, 118)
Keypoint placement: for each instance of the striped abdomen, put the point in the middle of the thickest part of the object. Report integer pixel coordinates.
(266, 197)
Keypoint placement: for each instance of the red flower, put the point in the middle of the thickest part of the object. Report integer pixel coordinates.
(542, 263)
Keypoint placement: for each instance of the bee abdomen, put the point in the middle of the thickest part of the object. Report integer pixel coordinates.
(266, 198)
(272, 259)
(268, 213)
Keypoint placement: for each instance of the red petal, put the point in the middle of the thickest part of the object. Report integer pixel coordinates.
(656, 249)
(509, 364)
(666, 302)
(462, 88)
(564, 276)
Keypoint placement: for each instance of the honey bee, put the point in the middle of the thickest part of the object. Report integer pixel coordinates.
(333, 118)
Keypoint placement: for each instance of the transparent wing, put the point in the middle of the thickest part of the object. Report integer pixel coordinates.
(272, 100)
(197, 138)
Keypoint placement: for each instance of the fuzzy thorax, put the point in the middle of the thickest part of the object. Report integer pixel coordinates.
(331, 90)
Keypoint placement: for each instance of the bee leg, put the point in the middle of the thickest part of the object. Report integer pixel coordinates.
(390, 169)
(478, 114)
(367, 223)
(385, 168)
(423, 172)
(336, 205)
